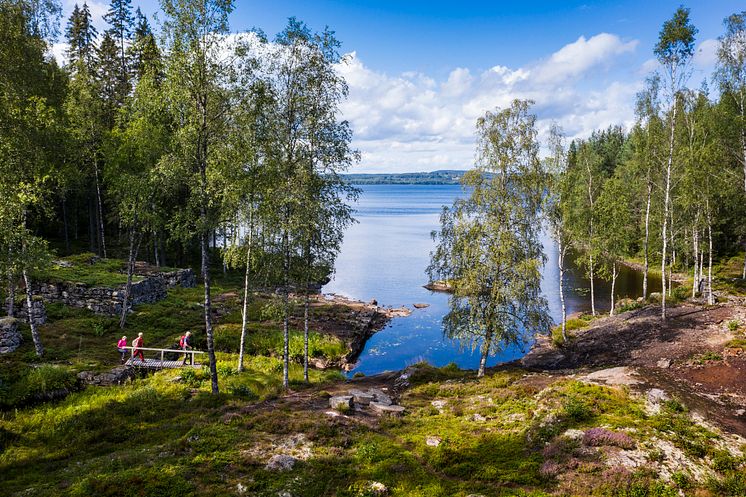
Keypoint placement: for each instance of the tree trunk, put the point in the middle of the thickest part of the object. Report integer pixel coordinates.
(100, 211)
(286, 305)
(614, 274)
(133, 250)
(94, 244)
(485, 353)
(666, 202)
(11, 295)
(64, 226)
(208, 308)
(561, 265)
(593, 298)
(646, 242)
(245, 310)
(695, 280)
(710, 295)
(305, 335)
(31, 321)
(161, 250)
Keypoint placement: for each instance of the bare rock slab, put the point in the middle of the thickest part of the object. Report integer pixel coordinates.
(386, 409)
(362, 398)
(342, 402)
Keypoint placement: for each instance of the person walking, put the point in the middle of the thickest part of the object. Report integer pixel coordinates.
(136, 350)
(121, 347)
(185, 345)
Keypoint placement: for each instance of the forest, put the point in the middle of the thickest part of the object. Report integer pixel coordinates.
(191, 147)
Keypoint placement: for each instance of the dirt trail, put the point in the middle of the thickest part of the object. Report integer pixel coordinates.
(685, 355)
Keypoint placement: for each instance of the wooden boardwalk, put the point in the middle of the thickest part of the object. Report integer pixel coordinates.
(161, 362)
(158, 364)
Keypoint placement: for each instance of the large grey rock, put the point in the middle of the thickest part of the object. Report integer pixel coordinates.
(380, 396)
(281, 462)
(386, 409)
(10, 337)
(342, 402)
(362, 398)
(116, 376)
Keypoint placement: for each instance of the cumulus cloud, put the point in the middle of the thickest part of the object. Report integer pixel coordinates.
(412, 122)
(706, 54)
(578, 57)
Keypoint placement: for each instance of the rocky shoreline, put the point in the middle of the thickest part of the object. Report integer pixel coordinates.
(363, 320)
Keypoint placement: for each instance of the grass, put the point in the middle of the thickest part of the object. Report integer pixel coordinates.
(77, 340)
(572, 324)
(89, 270)
(167, 436)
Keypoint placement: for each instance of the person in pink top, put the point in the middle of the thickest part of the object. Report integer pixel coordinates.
(121, 344)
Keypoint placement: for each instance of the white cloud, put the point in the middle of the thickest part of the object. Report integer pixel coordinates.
(411, 122)
(706, 55)
(578, 57)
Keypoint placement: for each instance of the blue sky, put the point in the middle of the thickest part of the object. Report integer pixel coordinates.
(421, 72)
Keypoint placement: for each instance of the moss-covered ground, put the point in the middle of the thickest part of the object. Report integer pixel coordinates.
(506, 434)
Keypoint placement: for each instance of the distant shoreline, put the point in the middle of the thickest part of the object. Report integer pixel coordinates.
(442, 177)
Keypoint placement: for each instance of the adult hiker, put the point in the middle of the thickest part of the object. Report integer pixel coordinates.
(136, 350)
(121, 347)
(185, 345)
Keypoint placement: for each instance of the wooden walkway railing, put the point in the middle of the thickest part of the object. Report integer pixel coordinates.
(162, 363)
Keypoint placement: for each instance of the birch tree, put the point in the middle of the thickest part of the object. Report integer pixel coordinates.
(197, 75)
(731, 74)
(556, 166)
(488, 243)
(674, 51)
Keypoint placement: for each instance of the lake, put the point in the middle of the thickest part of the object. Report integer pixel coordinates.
(384, 257)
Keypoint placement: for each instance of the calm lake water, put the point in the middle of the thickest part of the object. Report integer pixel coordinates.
(384, 257)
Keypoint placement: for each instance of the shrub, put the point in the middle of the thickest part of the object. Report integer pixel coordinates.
(681, 292)
(577, 410)
(597, 437)
(273, 311)
(40, 383)
(733, 325)
(627, 305)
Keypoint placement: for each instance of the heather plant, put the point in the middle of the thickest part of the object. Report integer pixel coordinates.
(599, 437)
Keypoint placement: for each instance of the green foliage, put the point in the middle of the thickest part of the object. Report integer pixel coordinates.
(38, 384)
(488, 242)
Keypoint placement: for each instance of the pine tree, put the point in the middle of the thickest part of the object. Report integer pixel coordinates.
(120, 19)
(81, 39)
(107, 77)
(144, 54)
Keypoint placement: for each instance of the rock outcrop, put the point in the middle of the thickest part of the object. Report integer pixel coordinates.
(10, 337)
(116, 376)
(108, 301)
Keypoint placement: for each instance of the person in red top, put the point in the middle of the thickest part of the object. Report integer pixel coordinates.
(136, 344)
(121, 344)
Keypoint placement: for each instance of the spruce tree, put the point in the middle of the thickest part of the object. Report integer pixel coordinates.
(120, 19)
(81, 39)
